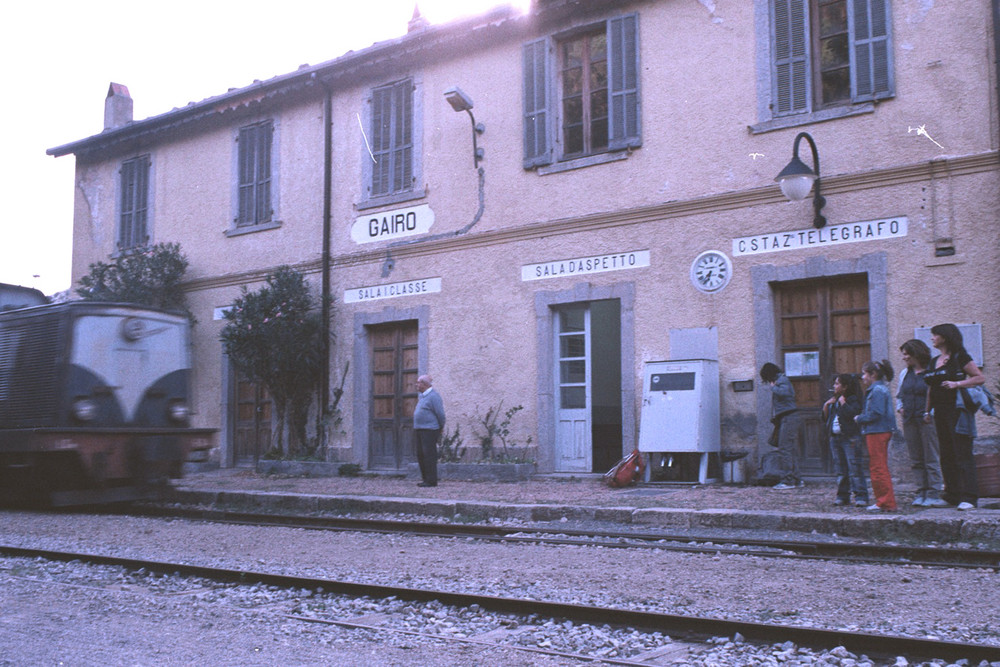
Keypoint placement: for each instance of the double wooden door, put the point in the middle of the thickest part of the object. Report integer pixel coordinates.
(825, 331)
(393, 350)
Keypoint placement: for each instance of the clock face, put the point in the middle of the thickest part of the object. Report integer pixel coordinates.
(711, 271)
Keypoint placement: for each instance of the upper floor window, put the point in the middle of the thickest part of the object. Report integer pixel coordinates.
(392, 139)
(254, 205)
(133, 209)
(581, 92)
(827, 55)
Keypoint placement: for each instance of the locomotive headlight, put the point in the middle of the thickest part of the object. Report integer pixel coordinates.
(178, 411)
(85, 409)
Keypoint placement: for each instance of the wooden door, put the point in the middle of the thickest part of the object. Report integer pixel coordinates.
(252, 426)
(394, 395)
(824, 332)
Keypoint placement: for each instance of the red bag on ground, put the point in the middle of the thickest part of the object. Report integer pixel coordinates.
(626, 471)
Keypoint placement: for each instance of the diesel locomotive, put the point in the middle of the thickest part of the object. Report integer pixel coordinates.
(94, 403)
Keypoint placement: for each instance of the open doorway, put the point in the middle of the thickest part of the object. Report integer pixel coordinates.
(588, 389)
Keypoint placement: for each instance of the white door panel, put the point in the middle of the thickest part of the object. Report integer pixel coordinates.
(573, 396)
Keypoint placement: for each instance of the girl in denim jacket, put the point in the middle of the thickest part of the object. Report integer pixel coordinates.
(878, 422)
(845, 440)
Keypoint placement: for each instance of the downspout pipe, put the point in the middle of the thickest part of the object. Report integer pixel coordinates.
(327, 297)
(996, 49)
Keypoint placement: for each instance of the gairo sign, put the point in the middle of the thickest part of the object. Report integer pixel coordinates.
(387, 225)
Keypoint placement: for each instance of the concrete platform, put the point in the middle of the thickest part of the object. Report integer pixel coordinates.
(711, 507)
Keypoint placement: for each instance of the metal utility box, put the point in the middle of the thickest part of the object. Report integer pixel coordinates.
(680, 410)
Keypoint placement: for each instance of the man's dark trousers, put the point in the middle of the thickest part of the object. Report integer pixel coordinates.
(427, 453)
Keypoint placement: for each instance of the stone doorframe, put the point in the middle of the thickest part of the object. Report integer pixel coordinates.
(363, 368)
(874, 265)
(544, 332)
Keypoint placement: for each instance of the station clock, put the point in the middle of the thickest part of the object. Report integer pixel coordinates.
(711, 271)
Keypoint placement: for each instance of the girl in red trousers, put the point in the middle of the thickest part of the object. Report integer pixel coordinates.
(878, 421)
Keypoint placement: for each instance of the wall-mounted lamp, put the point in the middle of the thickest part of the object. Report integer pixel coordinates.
(797, 179)
(459, 101)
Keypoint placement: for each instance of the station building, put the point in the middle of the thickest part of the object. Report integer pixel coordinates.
(619, 207)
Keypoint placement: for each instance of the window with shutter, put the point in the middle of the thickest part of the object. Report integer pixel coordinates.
(392, 139)
(826, 54)
(133, 206)
(254, 149)
(581, 92)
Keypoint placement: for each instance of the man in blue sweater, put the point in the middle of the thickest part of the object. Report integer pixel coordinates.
(428, 421)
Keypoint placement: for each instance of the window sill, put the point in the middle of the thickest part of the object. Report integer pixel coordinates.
(832, 113)
(950, 260)
(251, 229)
(131, 250)
(388, 200)
(581, 162)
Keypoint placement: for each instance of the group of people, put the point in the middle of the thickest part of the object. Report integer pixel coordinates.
(937, 414)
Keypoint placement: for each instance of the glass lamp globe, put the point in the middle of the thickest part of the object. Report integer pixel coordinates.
(797, 187)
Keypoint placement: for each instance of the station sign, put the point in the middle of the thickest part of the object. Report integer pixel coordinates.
(388, 225)
(392, 290)
(618, 261)
(851, 232)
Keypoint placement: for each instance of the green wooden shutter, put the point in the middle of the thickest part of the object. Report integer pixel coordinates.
(789, 56)
(392, 138)
(402, 140)
(623, 82)
(871, 52)
(380, 145)
(142, 201)
(254, 151)
(263, 212)
(134, 203)
(537, 148)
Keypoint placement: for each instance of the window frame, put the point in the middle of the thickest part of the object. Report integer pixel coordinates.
(136, 186)
(861, 101)
(369, 146)
(263, 174)
(542, 96)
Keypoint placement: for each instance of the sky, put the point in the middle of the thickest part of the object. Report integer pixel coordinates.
(59, 57)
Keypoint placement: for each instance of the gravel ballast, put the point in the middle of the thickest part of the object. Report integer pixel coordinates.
(958, 605)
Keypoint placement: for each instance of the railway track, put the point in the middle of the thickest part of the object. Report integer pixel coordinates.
(832, 551)
(685, 632)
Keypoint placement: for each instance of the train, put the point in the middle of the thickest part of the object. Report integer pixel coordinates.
(95, 403)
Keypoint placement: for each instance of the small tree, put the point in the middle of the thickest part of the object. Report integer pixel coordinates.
(149, 276)
(273, 336)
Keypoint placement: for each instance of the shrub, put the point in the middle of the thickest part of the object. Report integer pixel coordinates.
(149, 276)
(451, 449)
(273, 336)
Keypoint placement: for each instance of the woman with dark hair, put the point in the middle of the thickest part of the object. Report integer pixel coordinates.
(877, 424)
(786, 422)
(952, 371)
(845, 440)
(918, 425)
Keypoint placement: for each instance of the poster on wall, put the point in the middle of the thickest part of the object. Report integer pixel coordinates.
(798, 364)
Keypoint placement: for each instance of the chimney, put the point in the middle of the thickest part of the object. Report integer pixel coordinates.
(418, 22)
(117, 107)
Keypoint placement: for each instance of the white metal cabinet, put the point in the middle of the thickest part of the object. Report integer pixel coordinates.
(680, 409)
